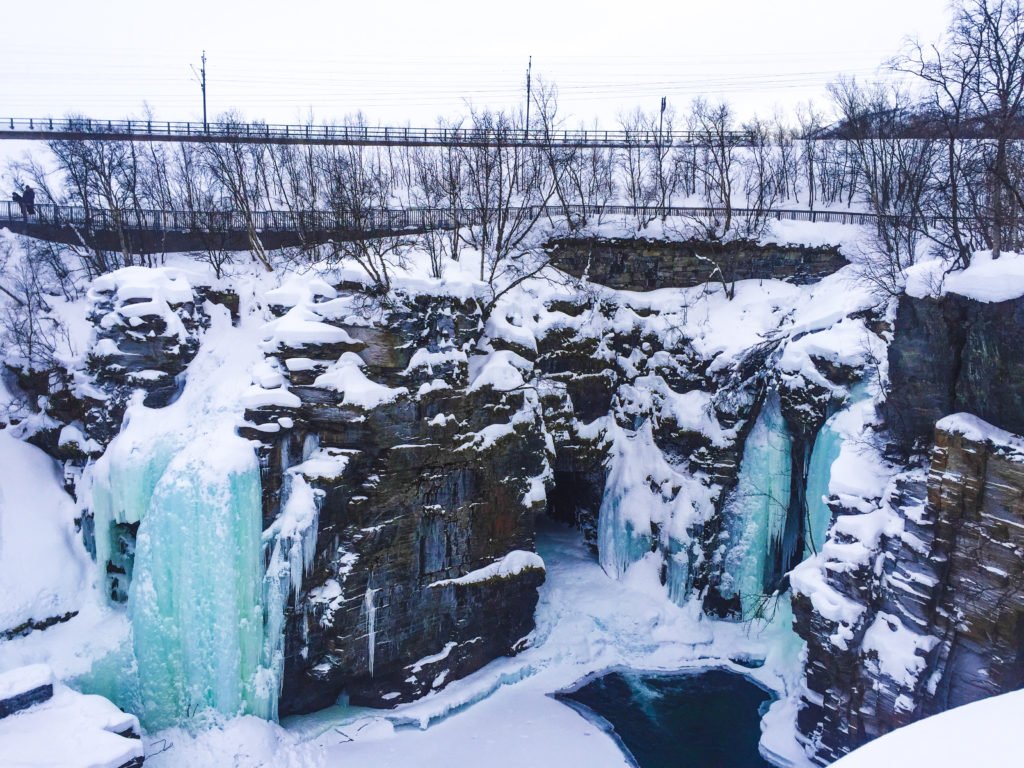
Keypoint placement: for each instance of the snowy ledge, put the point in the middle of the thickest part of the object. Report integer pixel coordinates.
(987, 280)
(971, 427)
(512, 564)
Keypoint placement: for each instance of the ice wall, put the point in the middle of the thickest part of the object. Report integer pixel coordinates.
(196, 596)
(210, 588)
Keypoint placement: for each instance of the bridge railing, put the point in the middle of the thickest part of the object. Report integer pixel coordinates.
(375, 221)
(353, 134)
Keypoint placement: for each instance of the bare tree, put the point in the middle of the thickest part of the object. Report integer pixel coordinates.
(507, 188)
(360, 190)
(762, 175)
(639, 187)
(894, 173)
(975, 79)
(437, 177)
(28, 329)
(240, 171)
(718, 161)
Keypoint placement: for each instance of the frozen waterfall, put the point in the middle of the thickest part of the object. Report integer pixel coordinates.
(195, 600)
(756, 514)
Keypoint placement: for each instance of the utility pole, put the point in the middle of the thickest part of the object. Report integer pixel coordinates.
(661, 119)
(202, 82)
(529, 67)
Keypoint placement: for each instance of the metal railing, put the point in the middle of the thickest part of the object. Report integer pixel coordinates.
(381, 220)
(283, 133)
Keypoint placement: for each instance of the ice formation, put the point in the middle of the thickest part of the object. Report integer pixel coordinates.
(371, 625)
(757, 512)
(195, 600)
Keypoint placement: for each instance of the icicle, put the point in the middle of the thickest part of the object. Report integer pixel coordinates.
(371, 626)
(289, 549)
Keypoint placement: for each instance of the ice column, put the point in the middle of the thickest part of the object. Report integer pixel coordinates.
(757, 512)
(624, 519)
(371, 625)
(826, 450)
(195, 602)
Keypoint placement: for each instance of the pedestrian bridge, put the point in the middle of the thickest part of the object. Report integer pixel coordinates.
(237, 132)
(139, 230)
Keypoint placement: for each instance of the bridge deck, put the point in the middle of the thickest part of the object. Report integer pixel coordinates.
(80, 129)
(149, 231)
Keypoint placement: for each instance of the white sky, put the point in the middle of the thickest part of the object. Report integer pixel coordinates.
(408, 62)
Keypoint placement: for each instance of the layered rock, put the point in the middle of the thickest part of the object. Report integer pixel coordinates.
(952, 354)
(637, 264)
(915, 605)
(427, 457)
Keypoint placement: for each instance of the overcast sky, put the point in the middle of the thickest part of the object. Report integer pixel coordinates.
(408, 62)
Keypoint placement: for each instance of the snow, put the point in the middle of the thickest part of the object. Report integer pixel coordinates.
(808, 579)
(985, 733)
(21, 680)
(346, 376)
(512, 564)
(979, 430)
(70, 730)
(896, 651)
(140, 292)
(44, 568)
(986, 280)
(302, 327)
(502, 370)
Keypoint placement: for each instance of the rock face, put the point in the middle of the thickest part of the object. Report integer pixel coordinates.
(919, 605)
(428, 487)
(643, 265)
(952, 354)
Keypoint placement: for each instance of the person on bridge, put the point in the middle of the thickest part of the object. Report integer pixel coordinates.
(21, 204)
(28, 198)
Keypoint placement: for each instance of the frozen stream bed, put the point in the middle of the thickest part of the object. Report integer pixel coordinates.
(505, 714)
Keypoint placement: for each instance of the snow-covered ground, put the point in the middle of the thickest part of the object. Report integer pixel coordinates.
(983, 734)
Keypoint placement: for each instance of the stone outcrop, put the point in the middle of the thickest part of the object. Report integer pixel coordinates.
(919, 605)
(637, 264)
(953, 354)
(422, 571)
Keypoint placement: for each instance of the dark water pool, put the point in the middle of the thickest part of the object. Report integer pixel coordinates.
(705, 719)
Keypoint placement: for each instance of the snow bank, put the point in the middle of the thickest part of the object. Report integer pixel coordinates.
(70, 730)
(44, 569)
(346, 376)
(986, 280)
(973, 428)
(985, 733)
(140, 292)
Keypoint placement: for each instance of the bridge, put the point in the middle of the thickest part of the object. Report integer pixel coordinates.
(82, 129)
(154, 231)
